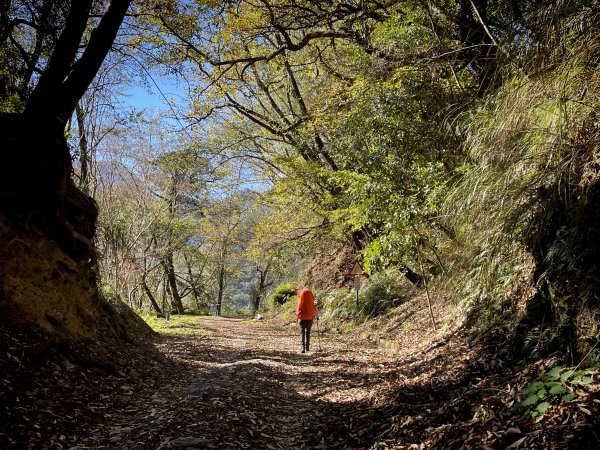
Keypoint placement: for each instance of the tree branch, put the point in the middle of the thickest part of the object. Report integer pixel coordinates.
(61, 60)
(86, 68)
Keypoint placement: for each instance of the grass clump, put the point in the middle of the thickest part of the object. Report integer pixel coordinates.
(185, 324)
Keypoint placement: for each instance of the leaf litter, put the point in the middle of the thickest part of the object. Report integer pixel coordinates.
(246, 385)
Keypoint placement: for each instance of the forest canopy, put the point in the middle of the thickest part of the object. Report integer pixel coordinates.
(174, 173)
(454, 142)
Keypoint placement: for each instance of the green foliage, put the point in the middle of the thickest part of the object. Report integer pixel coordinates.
(380, 293)
(557, 385)
(11, 73)
(10, 104)
(283, 293)
(406, 32)
(394, 147)
(362, 147)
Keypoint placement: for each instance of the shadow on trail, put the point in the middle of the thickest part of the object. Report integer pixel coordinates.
(252, 399)
(232, 392)
(246, 388)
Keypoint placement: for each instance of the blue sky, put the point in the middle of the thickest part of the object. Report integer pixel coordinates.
(155, 95)
(140, 98)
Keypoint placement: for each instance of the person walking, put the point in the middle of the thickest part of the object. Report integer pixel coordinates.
(306, 313)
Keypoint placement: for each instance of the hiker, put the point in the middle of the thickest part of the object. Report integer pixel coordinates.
(306, 312)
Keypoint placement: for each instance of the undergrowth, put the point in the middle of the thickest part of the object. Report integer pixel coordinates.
(185, 324)
(525, 209)
(378, 295)
(558, 385)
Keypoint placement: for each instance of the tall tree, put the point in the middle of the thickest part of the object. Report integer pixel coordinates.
(222, 225)
(152, 195)
(266, 92)
(36, 189)
(36, 165)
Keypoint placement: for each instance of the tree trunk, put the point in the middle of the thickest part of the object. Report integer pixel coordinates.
(151, 297)
(46, 223)
(172, 280)
(83, 149)
(260, 289)
(221, 287)
(193, 286)
(167, 311)
(412, 276)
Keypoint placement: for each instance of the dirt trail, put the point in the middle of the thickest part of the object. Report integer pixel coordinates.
(244, 384)
(247, 386)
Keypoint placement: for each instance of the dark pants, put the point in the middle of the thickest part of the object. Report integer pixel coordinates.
(305, 326)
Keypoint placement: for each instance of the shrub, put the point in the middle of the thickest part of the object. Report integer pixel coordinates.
(338, 305)
(282, 294)
(381, 292)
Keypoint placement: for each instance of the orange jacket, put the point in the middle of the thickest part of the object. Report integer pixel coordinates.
(305, 308)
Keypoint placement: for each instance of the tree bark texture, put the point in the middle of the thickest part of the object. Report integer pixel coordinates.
(172, 280)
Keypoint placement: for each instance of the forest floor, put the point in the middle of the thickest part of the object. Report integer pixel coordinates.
(236, 383)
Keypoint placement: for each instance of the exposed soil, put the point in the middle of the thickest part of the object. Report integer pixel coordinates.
(244, 384)
(42, 286)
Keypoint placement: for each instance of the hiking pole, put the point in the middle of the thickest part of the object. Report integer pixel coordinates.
(296, 332)
(319, 335)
